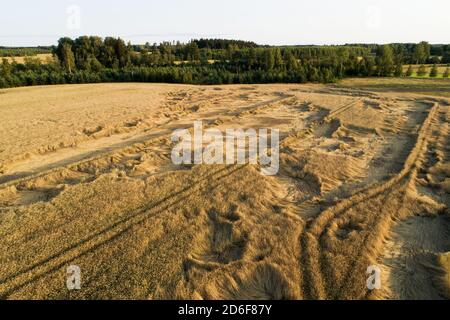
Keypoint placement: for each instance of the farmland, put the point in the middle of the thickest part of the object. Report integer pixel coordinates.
(86, 179)
(433, 87)
(41, 57)
(441, 68)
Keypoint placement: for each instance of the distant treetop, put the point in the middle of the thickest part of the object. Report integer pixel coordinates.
(223, 43)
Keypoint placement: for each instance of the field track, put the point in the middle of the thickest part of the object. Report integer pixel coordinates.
(376, 215)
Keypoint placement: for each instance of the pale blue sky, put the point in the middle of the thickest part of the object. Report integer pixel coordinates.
(31, 22)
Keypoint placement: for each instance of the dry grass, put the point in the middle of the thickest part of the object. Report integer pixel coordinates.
(101, 193)
(42, 57)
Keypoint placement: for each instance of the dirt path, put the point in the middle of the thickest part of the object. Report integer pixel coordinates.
(356, 227)
(410, 259)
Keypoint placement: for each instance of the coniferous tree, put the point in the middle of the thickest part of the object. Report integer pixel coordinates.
(434, 71)
(94, 60)
(195, 52)
(422, 71)
(291, 61)
(278, 59)
(398, 72)
(269, 60)
(398, 60)
(252, 58)
(446, 73)
(410, 71)
(385, 60)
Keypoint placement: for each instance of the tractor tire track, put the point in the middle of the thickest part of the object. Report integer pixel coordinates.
(12, 283)
(312, 255)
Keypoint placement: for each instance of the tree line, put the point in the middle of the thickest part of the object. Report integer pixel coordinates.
(23, 51)
(209, 61)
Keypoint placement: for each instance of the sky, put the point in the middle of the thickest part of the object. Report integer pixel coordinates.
(274, 22)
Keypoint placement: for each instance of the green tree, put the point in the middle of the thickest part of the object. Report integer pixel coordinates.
(446, 73)
(366, 66)
(230, 52)
(82, 52)
(32, 63)
(385, 60)
(278, 58)
(422, 71)
(107, 55)
(421, 52)
(68, 58)
(290, 60)
(434, 60)
(410, 71)
(399, 54)
(122, 52)
(446, 57)
(5, 69)
(268, 60)
(204, 58)
(434, 71)
(252, 58)
(398, 71)
(193, 52)
(65, 54)
(313, 74)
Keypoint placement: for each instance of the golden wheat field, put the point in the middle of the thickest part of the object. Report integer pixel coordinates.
(42, 57)
(86, 179)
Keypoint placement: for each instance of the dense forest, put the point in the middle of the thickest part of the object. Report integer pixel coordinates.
(209, 61)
